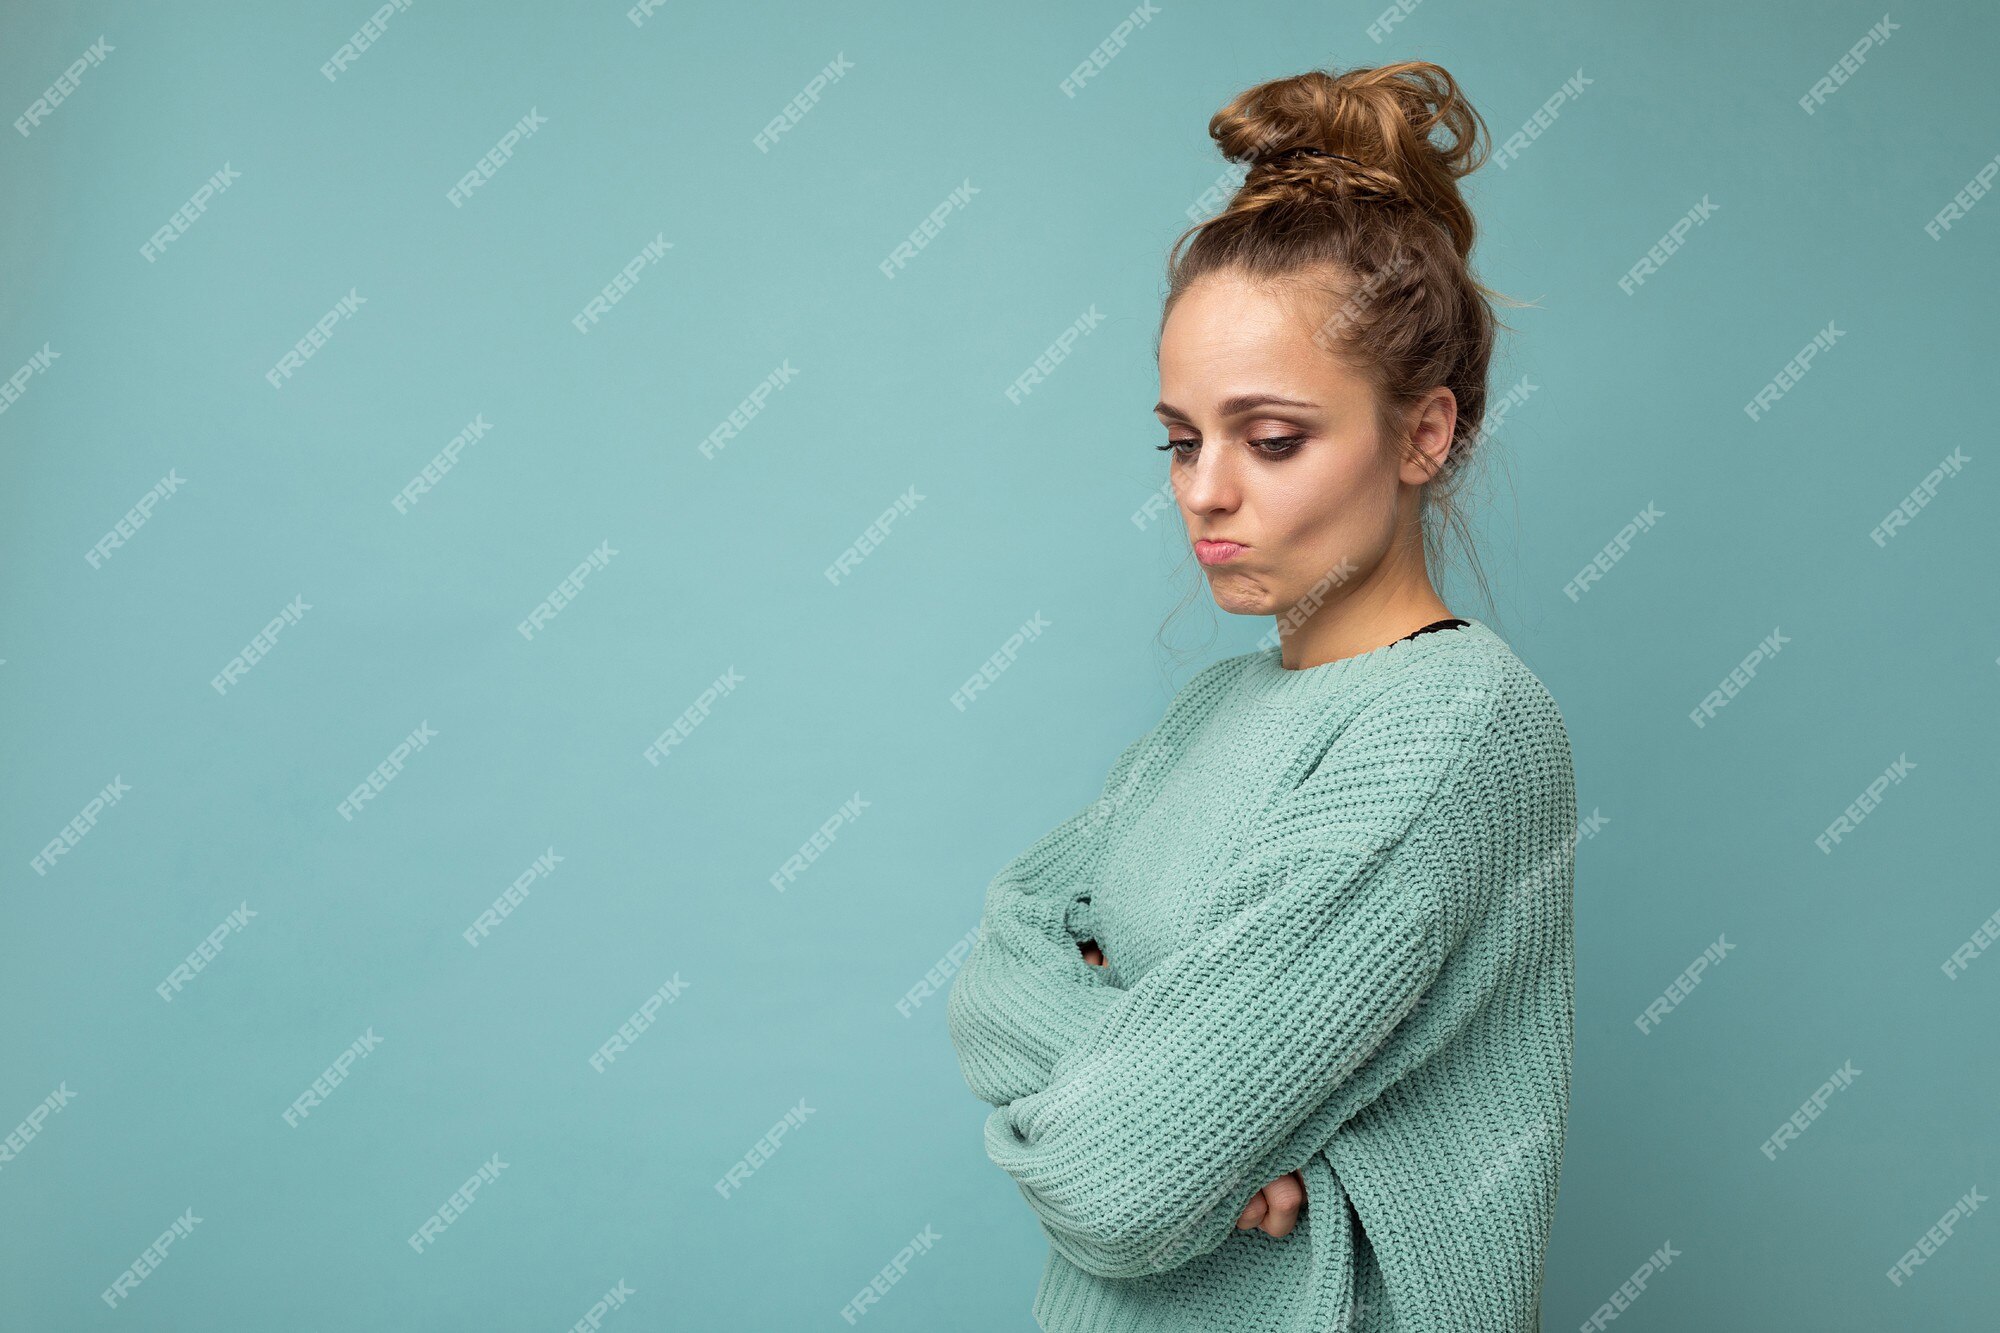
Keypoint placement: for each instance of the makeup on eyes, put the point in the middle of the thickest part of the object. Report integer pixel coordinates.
(1270, 446)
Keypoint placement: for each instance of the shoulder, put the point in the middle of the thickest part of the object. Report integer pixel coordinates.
(1518, 767)
(1141, 758)
(1526, 722)
(1203, 691)
(1213, 680)
(1206, 691)
(1439, 699)
(1469, 691)
(1464, 701)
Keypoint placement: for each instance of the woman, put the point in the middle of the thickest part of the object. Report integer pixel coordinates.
(1277, 1031)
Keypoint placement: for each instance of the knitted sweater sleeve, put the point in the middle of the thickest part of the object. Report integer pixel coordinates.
(1157, 1126)
(1024, 995)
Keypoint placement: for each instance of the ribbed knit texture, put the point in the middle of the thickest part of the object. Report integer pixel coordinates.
(1335, 905)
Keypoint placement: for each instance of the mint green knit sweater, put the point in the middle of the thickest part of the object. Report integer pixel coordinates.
(1335, 908)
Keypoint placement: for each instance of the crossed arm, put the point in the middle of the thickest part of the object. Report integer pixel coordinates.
(1276, 1207)
(1024, 996)
(1138, 1122)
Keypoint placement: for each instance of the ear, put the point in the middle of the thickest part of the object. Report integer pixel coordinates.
(1433, 423)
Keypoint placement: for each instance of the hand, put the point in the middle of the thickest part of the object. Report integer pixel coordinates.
(1276, 1206)
(1091, 953)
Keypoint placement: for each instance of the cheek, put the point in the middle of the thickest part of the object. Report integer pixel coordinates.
(1297, 512)
(1340, 491)
(1340, 511)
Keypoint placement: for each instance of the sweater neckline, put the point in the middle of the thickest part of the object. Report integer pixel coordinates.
(1268, 681)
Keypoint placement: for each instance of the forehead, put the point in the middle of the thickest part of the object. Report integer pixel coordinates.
(1228, 334)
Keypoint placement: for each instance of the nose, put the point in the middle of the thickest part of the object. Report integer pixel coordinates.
(1208, 485)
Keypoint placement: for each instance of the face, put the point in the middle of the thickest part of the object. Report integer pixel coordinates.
(1287, 487)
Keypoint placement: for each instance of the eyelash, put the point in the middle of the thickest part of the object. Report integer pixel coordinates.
(1291, 443)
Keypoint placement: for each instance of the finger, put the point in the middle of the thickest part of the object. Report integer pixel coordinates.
(1253, 1212)
(1287, 1195)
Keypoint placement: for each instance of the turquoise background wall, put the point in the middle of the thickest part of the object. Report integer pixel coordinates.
(601, 882)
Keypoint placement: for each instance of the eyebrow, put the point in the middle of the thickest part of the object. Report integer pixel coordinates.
(1230, 407)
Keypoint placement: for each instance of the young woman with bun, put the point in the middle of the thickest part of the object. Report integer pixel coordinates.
(1277, 1031)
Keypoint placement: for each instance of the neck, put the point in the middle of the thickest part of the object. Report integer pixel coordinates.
(1366, 616)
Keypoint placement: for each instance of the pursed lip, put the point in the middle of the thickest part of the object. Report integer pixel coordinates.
(1216, 550)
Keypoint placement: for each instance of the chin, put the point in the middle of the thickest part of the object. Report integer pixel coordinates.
(1240, 598)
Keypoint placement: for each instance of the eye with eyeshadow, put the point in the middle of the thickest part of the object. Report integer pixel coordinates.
(1269, 446)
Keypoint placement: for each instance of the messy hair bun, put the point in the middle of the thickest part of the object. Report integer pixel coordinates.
(1380, 120)
(1351, 196)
